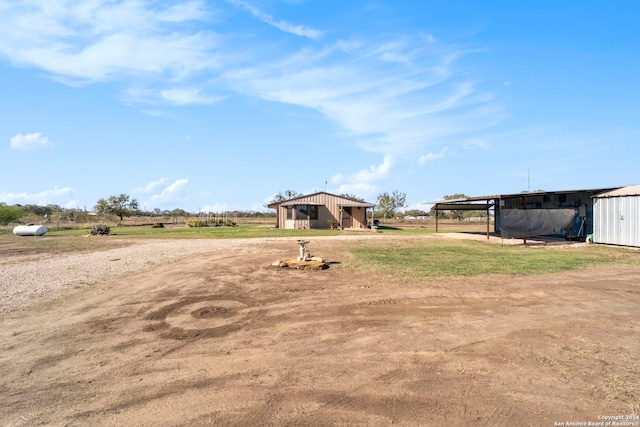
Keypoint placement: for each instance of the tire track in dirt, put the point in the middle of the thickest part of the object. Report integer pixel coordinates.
(203, 317)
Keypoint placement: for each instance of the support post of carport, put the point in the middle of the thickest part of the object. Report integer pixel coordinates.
(436, 217)
(488, 219)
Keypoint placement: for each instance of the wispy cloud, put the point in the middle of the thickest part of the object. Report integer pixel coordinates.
(162, 193)
(399, 94)
(81, 41)
(215, 208)
(188, 96)
(477, 143)
(395, 97)
(30, 141)
(151, 187)
(54, 196)
(425, 158)
(298, 30)
(362, 182)
(167, 196)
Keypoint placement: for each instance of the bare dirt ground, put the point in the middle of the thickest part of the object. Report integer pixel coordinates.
(223, 338)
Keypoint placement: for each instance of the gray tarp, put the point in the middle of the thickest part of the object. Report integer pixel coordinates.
(521, 223)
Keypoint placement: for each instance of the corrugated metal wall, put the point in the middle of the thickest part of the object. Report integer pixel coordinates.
(617, 220)
(329, 212)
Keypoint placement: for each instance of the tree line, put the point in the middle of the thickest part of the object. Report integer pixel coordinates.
(120, 206)
(388, 206)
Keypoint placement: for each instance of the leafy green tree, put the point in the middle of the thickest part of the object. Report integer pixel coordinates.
(415, 212)
(456, 214)
(10, 213)
(388, 203)
(352, 197)
(80, 216)
(539, 190)
(179, 212)
(42, 210)
(120, 205)
(284, 195)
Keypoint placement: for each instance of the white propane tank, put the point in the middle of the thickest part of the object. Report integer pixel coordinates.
(29, 230)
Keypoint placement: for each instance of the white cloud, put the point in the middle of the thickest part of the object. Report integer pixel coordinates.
(361, 182)
(373, 173)
(53, 196)
(361, 189)
(398, 94)
(150, 187)
(416, 206)
(298, 30)
(172, 192)
(432, 156)
(477, 144)
(188, 97)
(215, 208)
(429, 38)
(396, 97)
(30, 141)
(72, 204)
(96, 41)
(161, 195)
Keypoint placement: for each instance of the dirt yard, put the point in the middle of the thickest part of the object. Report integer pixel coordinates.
(223, 338)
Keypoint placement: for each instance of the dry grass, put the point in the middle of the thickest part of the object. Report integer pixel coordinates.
(30, 247)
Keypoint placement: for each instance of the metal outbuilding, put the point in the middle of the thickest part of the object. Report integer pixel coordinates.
(617, 217)
(320, 210)
(566, 213)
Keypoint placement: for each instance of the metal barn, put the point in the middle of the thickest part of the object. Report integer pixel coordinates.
(319, 210)
(542, 213)
(617, 217)
(560, 213)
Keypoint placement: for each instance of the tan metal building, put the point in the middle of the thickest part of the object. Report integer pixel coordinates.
(321, 210)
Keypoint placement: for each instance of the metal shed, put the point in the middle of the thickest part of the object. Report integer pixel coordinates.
(318, 210)
(617, 217)
(566, 213)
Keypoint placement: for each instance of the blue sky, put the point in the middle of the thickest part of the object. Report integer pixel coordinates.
(218, 105)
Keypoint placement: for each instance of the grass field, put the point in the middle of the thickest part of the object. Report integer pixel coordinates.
(410, 258)
(440, 257)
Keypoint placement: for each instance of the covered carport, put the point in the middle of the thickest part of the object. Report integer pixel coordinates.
(567, 213)
(467, 204)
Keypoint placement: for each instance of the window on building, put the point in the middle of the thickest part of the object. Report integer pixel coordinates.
(289, 212)
(313, 212)
(301, 212)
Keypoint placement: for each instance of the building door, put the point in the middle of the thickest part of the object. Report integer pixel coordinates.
(347, 218)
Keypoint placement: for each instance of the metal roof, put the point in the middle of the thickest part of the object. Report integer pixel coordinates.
(529, 194)
(299, 200)
(463, 207)
(294, 203)
(356, 205)
(630, 190)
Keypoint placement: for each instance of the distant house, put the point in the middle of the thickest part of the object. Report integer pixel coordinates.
(321, 210)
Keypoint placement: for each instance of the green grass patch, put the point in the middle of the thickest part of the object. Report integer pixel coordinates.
(440, 258)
